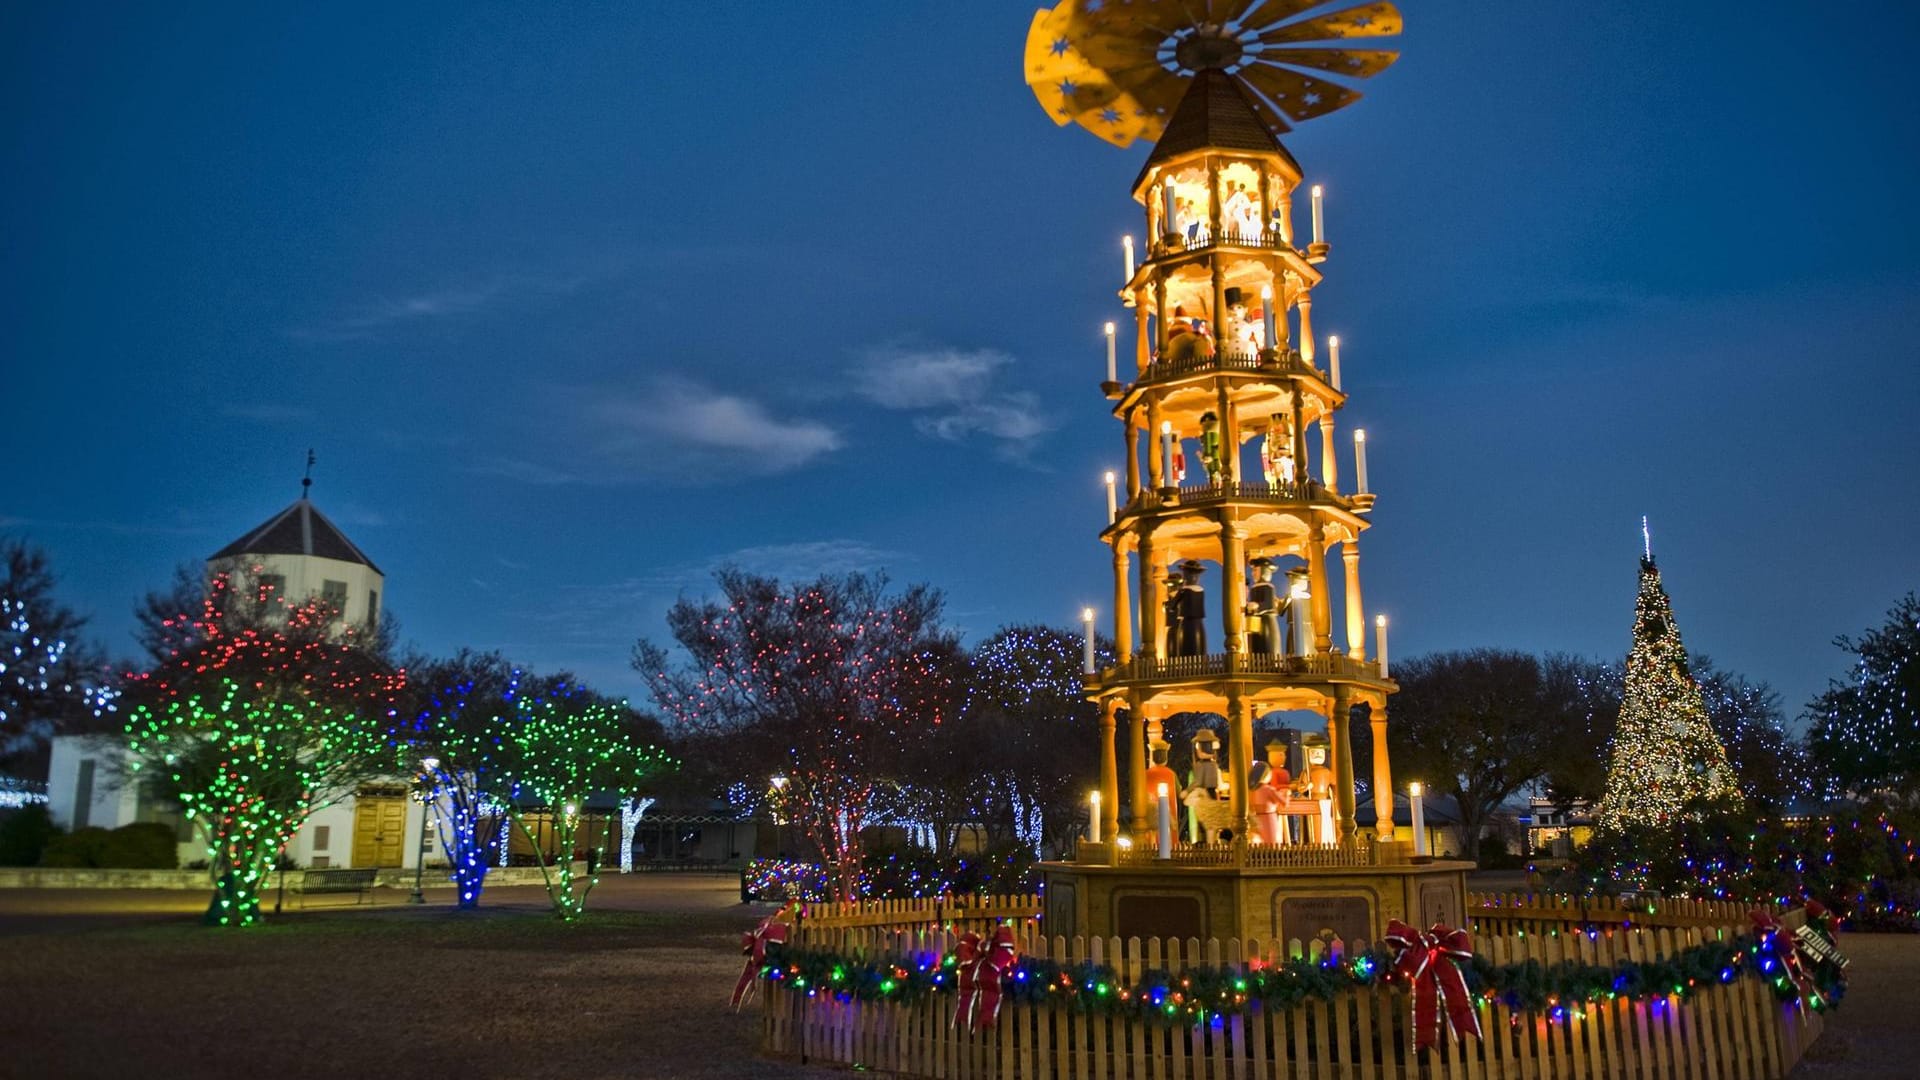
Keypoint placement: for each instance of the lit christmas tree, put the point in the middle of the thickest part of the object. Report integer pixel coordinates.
(1665, 755)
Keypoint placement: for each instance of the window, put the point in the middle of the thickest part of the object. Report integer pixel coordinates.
(83, 795)
(334, 595)
(373, 609)
(322, 836)
(321, 862)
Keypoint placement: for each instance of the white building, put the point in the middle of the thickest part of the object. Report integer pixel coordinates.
(302, 554)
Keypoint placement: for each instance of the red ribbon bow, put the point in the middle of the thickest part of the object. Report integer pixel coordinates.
(753, 945)
(1774, 935)
(983, 977)
(1430, 962)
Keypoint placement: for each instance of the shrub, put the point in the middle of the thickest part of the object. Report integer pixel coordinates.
(24, 834)
(141, 846)
(79, 849)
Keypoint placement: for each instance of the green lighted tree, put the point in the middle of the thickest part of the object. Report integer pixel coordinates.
(247, 772)
(1666, 760)
(549, 756)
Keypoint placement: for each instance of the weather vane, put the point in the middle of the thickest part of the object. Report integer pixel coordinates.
(306, 478)
(1118, 67)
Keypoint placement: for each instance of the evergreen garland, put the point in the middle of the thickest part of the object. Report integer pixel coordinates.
(1201, 994)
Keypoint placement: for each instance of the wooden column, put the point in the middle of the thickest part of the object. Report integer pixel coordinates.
(1286, 214)
(1219, 304)
(1329, 469)
(1306, 326)
(1239, 762)
(1233, 571)
(1356, 615)
(1320, 604)
(1229, 438)
(1339, 735)
(1122, 605)
(1142, 810)
(1143, 331)
(1151, 596)
(1382, 774)
(1154, 465)
(1109, 771)
(1133, 458)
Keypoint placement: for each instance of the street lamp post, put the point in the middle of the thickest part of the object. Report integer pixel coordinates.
(427, 765)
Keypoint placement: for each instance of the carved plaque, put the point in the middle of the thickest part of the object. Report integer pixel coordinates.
(1439, 903)
(1349, 918)
(1145, 916)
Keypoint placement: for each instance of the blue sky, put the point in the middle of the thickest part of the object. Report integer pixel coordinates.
(576, 303)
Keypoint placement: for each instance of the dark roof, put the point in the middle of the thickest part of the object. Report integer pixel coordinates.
(300, 529)
(1214, 115)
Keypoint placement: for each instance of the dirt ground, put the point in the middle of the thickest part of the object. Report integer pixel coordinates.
(122, 984)
(118, 984)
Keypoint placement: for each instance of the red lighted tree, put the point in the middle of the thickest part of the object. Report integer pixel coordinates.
(827, 683)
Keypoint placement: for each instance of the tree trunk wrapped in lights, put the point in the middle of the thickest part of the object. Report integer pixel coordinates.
(248, 773)
(551, 754)
(1666, 758)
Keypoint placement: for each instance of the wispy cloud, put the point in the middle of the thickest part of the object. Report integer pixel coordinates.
(678, 426)
(955, 392)
(524, 471)
(130, 528)
(440, 304)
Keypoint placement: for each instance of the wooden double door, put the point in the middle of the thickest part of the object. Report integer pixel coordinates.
(379, 830)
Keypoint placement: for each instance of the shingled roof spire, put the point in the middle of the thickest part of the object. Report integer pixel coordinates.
(300, 529)
(1214, 115)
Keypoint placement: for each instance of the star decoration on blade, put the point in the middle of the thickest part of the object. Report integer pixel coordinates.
(1118, 69)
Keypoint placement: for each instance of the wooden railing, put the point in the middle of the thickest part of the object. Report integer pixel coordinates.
(1734, 1031)
(1350, 853)
(1326, 665)
(1204, 238)
(1546, 913)
(962, 912)
(1268, 362)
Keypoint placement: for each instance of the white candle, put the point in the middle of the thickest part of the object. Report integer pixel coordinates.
(1267, 316)
(1127, 243)
(1093, 818)
(1164, 824)
(1113, 372)
(1326, 821)
(1360, 458)
(1319, 223)
(1419, 819)
(1086, 619)
(1113, 501)
(1333, 358)
(1166, 453)
(1380, 643)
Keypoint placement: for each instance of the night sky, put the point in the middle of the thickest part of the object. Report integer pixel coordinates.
(575, 303)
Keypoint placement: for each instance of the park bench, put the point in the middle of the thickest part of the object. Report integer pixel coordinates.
(359, 882)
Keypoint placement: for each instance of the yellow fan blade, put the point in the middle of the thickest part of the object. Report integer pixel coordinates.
(1353, 63)
(1301, 97)
(1367, 20)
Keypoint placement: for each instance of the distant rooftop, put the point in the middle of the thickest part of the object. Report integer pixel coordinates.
(300, 529)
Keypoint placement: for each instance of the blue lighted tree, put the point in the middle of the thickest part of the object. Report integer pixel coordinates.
(1865, 732)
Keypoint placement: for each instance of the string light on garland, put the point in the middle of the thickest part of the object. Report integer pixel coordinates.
(1205, 995)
